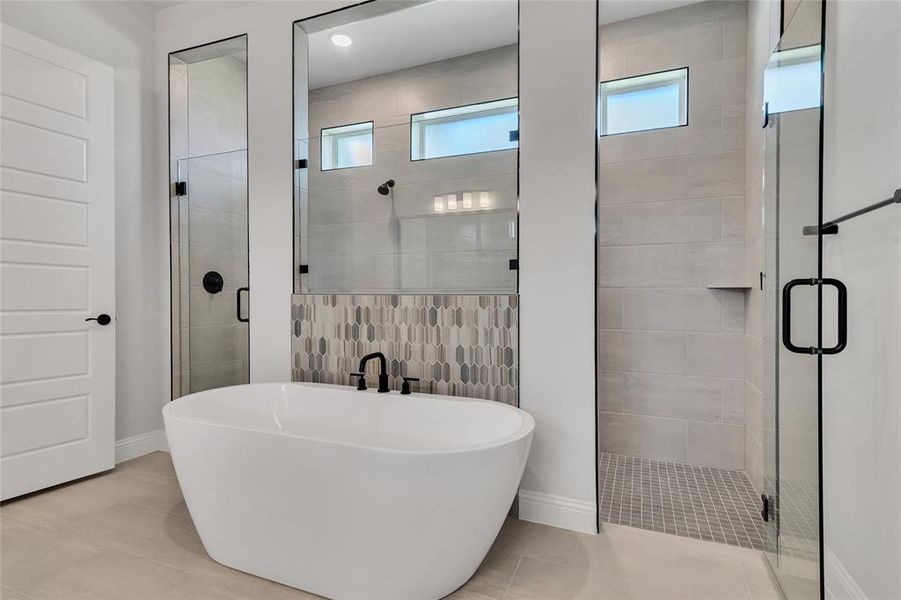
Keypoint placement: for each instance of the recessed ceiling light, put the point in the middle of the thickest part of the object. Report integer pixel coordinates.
(341, 39)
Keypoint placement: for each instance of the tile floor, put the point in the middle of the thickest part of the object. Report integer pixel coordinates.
(128, 535)
(704, 503)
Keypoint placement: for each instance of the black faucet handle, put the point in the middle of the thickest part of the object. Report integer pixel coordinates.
(405, 386)
(361, 382)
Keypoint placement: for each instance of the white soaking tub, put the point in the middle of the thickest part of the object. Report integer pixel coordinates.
(348, 494)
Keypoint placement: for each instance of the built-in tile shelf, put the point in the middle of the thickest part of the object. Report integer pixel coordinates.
(729, 286)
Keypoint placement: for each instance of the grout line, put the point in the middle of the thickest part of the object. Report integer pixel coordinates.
(110, 548)
(697, 502)
(512, 577)
(16, 590)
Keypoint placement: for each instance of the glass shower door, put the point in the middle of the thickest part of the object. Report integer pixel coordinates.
(208, 214)
(793, 297)
(213, 272)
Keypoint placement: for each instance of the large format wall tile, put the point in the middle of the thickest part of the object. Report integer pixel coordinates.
(408, 222)
(672, 221)
(456, 345)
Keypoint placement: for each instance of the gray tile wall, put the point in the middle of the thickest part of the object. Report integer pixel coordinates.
(457, 345)
(357, 241)
(672, 372)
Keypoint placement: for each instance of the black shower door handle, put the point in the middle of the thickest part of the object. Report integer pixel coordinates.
(238, 304)
(842, 315)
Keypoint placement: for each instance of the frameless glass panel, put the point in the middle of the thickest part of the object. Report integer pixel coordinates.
(471, 129)
(208, 173)
(347, 146)
(792, 79)
(792, 313)
(403, 224)
(431, 232)
(653, 101)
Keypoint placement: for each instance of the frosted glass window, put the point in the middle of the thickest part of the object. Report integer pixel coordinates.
(791, 80)
(347, 146)
(471, 129)
(645, 102)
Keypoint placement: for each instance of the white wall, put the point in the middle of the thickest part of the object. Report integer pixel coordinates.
(862, 385)
(557, 78)
(120, 34)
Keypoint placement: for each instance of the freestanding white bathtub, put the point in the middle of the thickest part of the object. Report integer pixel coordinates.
(348, 494)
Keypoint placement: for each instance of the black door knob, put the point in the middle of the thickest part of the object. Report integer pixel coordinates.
(102, 319)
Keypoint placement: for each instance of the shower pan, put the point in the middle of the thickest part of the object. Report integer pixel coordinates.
(208, 213)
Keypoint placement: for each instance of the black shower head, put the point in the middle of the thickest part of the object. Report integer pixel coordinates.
(385, 188)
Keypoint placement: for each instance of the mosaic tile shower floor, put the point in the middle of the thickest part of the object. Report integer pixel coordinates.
(686, 500)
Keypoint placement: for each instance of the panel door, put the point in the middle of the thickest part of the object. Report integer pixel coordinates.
(57, 265)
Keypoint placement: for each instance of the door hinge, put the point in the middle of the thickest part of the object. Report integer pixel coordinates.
(762, 275)
(303, 269)
(514, 264)
(181, 188)
(300, 163)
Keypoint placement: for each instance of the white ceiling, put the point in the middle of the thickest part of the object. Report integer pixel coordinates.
(416, 32)
(401, 39)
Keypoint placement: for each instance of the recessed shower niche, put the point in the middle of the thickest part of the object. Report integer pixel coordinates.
(208, 215)
(406, 136)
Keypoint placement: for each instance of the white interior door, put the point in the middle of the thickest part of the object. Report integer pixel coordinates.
(57, 265)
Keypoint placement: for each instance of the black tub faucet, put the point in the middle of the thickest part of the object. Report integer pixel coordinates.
(383, 371)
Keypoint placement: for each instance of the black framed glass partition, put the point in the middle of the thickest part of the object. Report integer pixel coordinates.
(406, 149)
(208, 215)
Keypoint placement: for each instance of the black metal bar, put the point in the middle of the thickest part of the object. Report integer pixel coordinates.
(832, 226)
(842, 316)
(787, 316)
(238, 304)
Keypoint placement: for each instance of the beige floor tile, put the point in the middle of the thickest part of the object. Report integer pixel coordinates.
(708, 579)
(10, 594)
(492, 578)
(162, 537)
(155, 463)
(757, 577)
(127, 535)
(54, 507)
(549, 544)
(539, 580)
(44, 564)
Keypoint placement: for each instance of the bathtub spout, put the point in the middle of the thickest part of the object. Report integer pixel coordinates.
(383, 369)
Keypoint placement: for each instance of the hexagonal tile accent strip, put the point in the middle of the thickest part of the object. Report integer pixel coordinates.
(457, 345)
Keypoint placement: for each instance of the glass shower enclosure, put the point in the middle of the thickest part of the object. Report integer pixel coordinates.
(208, 215)
(797, 299)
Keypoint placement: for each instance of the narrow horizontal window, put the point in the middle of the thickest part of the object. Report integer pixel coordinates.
(470, 129)
(346, 146)
(653, 101)
(791, 80)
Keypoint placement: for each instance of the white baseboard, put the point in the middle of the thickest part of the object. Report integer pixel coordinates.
(557, 511)
(839, 583)
(141, 444)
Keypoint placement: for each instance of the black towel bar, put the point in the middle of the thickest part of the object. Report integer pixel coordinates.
(832, 226)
